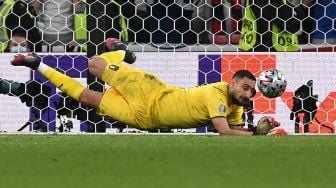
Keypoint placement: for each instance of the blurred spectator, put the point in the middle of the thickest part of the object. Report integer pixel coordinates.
(81, 34)
(170, 23)
(308, 23)
(270, 26)
(202, 15)
(5, 9)
(18, 16)
(236, 20)
(162, 21)
(117, 25)
(137, 23)
(57, 23)
(324, 14)
(22, 19)
(19, 44)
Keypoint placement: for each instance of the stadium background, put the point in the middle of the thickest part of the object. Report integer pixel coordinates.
(50, 159)
(187, 69)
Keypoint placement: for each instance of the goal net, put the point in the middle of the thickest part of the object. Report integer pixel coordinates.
(184, 42)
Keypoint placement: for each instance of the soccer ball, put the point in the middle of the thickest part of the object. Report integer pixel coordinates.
(271, 83)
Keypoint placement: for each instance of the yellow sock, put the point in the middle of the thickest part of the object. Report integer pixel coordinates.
(114, 57)
(63, 82)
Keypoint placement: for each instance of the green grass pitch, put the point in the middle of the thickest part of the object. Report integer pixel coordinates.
(166, 161)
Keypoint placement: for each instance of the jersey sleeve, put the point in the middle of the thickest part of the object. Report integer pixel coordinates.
(217, 105)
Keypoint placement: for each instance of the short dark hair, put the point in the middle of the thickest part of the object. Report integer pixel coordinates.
(240, 74)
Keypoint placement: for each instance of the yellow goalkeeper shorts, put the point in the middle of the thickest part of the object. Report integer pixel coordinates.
(130, 97)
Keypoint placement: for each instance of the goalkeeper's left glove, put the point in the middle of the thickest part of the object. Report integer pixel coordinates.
(265, 124)
(274, 122)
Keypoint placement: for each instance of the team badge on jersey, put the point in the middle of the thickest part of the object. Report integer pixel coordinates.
(114, 67)
(221, 108)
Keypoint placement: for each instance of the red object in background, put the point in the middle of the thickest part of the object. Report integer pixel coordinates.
(236, 14)
(218, 26)
(219, 39)
(236, 4)
(216, 2)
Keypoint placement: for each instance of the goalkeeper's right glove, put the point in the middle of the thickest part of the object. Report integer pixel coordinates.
(113, 44)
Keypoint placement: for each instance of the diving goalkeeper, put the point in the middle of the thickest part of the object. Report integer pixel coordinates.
(143, 101)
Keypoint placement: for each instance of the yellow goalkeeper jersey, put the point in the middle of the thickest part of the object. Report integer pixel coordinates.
(194, 107)
(143, 101)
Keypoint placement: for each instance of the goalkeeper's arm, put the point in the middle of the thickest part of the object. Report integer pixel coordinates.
(266, 126)
(223, 128)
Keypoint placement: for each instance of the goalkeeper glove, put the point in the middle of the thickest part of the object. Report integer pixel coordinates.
(265, 124)
(277, 131)
(113, 44)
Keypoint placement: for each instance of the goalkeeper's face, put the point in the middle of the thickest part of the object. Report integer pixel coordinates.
(242, 90)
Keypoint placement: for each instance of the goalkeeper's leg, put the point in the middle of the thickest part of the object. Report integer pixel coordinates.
(65, 83)
(107, 64)
(109, 67)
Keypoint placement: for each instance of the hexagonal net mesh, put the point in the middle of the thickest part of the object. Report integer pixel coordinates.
(183, 42)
